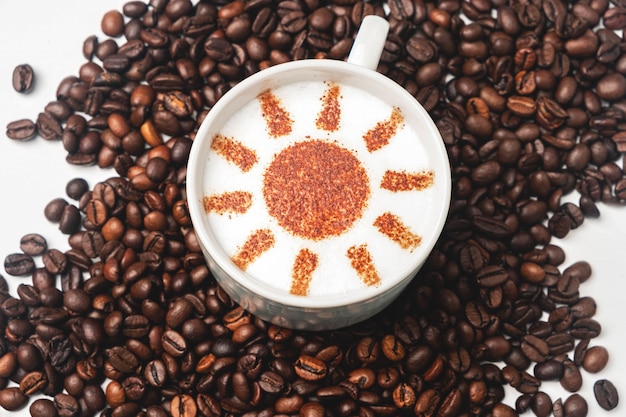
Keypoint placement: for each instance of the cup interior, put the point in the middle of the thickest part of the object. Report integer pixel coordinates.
(344, 74)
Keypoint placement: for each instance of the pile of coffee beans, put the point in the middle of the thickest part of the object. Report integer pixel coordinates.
(529, 96)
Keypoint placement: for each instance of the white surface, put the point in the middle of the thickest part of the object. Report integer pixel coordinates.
(49, 34)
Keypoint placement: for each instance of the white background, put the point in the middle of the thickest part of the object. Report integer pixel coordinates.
(49, 35)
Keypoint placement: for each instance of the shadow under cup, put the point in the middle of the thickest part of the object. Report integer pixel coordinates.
(315, 312)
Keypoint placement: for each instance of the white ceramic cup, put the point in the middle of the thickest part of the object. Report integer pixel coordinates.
(316, 312)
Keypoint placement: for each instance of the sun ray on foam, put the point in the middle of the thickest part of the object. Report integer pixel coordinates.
(277, 118)
(228, 202)
(257, 243)
(234, 152)
(302, 271)
(330, 115)
(380, 135)
(362, 262)
(391, 226)
(407, 181)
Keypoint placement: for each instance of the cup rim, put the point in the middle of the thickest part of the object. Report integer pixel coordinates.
(195, 170)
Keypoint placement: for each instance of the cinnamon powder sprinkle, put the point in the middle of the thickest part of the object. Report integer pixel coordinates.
(278, 119)
(302, 272)
(259, 242)
(330, 115)
(362, 262)
(382, 133)
(391, 226)
(233, 202)
(405, 181)
(234, 152)
(315, 189)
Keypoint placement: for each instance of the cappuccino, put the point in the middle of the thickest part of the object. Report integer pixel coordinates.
(320, 188)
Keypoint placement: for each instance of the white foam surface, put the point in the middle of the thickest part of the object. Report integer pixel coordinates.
(360, 112)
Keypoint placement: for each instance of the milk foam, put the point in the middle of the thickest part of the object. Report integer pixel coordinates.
(360, 111)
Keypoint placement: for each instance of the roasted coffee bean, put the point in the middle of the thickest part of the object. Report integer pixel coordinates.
(571, 379)
(33, 244)
(8, 364)
(135, 326)
(219, 49)
(67, 405)
(183, 405)
(606, 394)
(575, 406)
(549, 370)
(534, 348)
(12, 399)
(134, 388)
(329, 393)
(43, 407)
(54, 261)
(271, 382)
(155, 373)
(521, 106)
(541, 404)
(615, 18)
(126, 410)
(77, 300)
(477, 315)
(28, 294)
(13, 307)
(112, 23)
(76, 187)
(97, 212)
(580, 350)
(115, 394)
(173, 343)
(451, 404)
(23, 78)
(595, 359)
(491, 276)
(94, 397)
(122, 359)
(557, 408)
(48, 127)
(310, 368)
(611, 86)
(19, 264)
(33, 382)
(70, 219)
(392, 347)
(581, 270)
(585, 328)
(22, 129)
(312, 409)
(420, 49)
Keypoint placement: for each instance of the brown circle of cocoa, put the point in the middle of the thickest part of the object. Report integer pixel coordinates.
(315, 189)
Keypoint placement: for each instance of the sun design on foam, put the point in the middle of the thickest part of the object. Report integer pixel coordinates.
(316, 189)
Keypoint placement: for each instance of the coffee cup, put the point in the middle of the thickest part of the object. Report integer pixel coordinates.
(318, 188)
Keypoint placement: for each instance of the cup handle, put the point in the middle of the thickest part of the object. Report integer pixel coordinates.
(369, 42)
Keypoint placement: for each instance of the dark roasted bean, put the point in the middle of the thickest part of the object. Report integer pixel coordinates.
(23, 78)
(310, 368)
(19, 264)
(43, 407)
(575, 406)
(12, 399)
(23, 129)
(606, 394)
